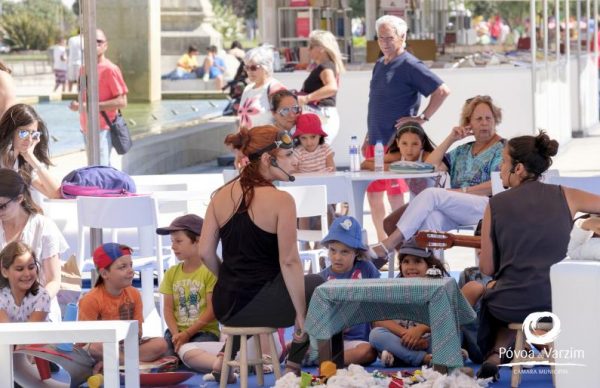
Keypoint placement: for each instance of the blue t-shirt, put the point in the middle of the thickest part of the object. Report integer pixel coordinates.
(360, 270)
(395, 92)
(467, 170)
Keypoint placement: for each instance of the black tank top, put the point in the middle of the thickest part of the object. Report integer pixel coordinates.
(250, 260)
(313, 82)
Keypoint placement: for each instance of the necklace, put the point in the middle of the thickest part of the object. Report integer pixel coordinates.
(484, 147)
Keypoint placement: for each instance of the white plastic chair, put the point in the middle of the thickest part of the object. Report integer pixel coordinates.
(310, 201)
(124, 213)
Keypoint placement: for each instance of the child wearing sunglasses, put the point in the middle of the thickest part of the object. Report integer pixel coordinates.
(24, 148)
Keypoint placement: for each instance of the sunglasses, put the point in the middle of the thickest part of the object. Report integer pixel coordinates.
(252, 67)
(100, 41)
(283, 140)
(5, 204)
(24, 134)
(295, 109)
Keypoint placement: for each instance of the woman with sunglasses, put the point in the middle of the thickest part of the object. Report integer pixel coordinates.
(7, 89)
(254, 104)
(24, 148)
(470, 167)
(21, 219)
(260, 281)
(320, 88)
(285, 110)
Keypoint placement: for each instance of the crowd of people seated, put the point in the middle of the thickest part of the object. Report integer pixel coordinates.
(282, 132)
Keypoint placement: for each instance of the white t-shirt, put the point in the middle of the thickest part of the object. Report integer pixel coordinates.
(255, 109)
(74, 44)
(30, 304)
(59, 58)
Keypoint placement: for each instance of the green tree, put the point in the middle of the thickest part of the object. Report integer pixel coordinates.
(226, 21)
(34, 24)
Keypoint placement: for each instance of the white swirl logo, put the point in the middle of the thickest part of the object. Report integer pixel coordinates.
(530, 324)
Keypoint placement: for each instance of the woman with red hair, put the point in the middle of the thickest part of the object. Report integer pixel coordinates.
(260, 280)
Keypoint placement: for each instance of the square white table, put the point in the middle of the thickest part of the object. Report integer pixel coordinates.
(346, 186)
(107, 332)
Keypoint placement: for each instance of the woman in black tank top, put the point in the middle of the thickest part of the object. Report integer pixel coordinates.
(525, 231)
(260, 281)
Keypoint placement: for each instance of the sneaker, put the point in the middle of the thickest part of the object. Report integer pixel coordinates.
(387, 358)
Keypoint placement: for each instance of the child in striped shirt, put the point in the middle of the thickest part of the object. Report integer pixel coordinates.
(314, 155)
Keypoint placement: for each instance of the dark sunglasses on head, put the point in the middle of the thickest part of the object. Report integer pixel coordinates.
(24, 134)
(283, 140)
(252, 67)
(5, 204)
(295, 109)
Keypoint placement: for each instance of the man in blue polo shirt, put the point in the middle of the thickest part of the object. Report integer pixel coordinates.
(399, 79)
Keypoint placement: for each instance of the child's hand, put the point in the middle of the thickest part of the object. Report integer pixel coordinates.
(411, 337)
(179, 339)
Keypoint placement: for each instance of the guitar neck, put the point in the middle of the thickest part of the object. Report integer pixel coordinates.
(467, 241)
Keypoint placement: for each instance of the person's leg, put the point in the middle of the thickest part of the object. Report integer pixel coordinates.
(377, 207)
(383, 339)
(200, 356)
(105, 147)
(153, 349)
(359, 352)
(457, 209)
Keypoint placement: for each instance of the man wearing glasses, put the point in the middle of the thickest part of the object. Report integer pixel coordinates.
(397, 83)
(112, 96)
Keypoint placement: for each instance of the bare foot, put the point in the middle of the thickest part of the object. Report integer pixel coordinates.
(218, 367)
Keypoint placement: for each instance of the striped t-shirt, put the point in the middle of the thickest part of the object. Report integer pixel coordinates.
(313, 161)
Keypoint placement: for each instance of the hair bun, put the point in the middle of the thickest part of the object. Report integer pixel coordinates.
(547, 147)
(238, 140)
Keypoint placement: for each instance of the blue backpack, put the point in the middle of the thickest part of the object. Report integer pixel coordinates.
(97, 181)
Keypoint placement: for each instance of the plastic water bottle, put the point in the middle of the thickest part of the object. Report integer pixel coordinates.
(379, 156)
(354, 154)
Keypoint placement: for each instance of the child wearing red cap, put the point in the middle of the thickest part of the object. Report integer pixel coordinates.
(314, 155)
(114, 298)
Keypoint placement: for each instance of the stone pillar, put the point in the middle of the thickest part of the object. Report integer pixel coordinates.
(267, 22)
(186, 22)
(132, 28)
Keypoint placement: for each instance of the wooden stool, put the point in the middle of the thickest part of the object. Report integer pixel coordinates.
(520, 348)
(229, 359)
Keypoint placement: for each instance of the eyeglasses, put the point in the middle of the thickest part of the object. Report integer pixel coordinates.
(24, 134)
(100, 41)
(5, 204)
(283, 140)
(252, 67)
(295, 109)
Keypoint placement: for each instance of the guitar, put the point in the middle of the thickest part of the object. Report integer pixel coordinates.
(443, 240)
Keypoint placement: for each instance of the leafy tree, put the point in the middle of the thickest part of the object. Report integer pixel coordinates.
(226, 21)
(34, 24)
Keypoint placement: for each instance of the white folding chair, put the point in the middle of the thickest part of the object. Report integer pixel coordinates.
(310, 201)
(125, 213)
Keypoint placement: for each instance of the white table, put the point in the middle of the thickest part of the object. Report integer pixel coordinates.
(107, 332)
(345, 186)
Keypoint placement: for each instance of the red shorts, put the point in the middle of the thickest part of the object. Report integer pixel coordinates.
(391, 186)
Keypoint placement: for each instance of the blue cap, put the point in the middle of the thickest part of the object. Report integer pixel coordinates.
(346, 230)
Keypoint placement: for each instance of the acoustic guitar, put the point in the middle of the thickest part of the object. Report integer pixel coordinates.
(444, 240)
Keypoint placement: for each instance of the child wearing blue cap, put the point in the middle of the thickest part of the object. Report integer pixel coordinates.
(345, 251)
(114, 298)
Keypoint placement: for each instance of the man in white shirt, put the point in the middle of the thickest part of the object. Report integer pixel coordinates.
(74, 47)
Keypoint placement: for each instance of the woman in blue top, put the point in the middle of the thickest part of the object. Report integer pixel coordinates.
(470, 167)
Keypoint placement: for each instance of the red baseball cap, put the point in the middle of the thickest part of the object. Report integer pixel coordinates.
(308, 124)
(105, 254)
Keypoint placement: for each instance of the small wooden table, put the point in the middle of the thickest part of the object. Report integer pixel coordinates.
(438, 303)
(107, 332)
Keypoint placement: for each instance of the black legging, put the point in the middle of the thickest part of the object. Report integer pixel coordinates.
(273, 307)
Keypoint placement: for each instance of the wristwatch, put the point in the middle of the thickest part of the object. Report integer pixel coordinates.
(423, 117)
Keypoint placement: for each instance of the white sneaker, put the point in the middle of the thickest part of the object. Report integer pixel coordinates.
(387, 358)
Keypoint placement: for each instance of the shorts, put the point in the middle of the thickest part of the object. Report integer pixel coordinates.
(73, 73)
(60, 76)
(391, 186)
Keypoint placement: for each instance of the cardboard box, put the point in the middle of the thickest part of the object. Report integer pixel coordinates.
(424, 49)
(372, 51)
